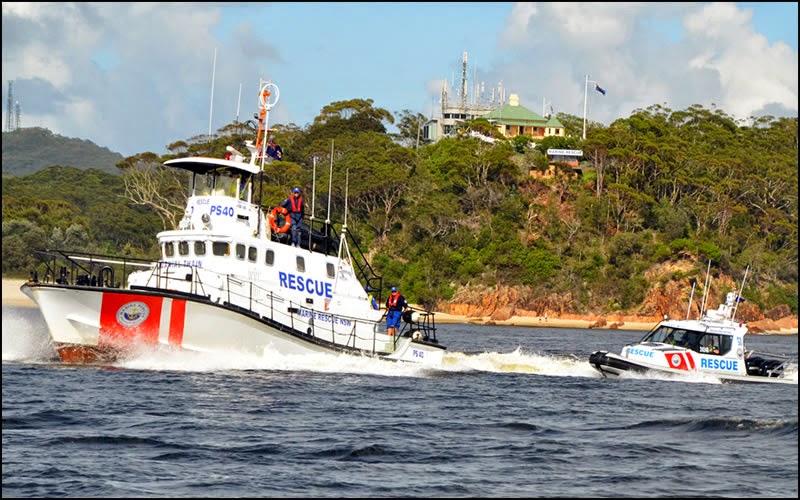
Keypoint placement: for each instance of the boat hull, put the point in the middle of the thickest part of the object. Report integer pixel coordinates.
(100, 325)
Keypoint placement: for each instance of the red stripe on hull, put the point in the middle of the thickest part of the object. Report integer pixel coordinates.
(691, 360)
(176, 322)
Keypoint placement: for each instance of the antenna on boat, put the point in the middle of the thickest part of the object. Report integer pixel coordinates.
(691, 297)
(330, 185)
(213, 78)
(313, 197)
(238, 103)
(267, 90)
(739, 295)
(705, 290)
(344, 250)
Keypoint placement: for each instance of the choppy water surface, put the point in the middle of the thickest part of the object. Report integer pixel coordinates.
(514, 412)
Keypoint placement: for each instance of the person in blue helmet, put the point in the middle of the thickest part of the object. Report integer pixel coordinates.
(294, 205)
(396, 305)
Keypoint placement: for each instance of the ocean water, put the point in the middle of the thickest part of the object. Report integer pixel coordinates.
(514, 412)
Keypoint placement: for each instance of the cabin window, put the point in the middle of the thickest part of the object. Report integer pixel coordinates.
(221, 248)
(269, 259)
(712, 343)
(199, 247)
(252, 253)
(183, 247)
(301, 264)
(240, 251)
(169, 250)
(331, 270)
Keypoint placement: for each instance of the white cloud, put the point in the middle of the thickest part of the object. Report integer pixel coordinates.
(518, 21)
(136, 76)
(751, 73)
(644, 54)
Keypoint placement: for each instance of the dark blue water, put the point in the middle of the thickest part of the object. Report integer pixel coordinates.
(514, 412)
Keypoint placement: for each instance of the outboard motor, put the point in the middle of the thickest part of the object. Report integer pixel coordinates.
(756, 365)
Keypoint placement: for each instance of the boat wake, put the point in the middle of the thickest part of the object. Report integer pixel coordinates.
(25, 337)
(25, 340)
(519, 361)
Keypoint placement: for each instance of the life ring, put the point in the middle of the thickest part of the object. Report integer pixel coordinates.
(273, 215)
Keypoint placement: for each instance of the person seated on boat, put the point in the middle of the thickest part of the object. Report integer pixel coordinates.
(670, 339)
(274, 151)
(710, 348)
(396, 305)
(294, 205)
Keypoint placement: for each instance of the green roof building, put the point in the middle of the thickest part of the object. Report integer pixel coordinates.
(512, 120)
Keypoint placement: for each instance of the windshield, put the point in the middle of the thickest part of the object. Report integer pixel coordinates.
(707, 343)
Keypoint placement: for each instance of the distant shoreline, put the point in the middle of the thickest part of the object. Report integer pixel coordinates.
(12, 296)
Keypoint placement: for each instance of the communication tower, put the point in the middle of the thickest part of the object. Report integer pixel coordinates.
(9, 107)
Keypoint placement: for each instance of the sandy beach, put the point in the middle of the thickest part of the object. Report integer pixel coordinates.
(12, 296)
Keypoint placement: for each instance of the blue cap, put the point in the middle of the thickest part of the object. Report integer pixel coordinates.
(296, 190)
(367, 289)
(394, 288)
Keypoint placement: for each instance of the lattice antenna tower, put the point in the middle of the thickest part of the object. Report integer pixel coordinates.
(17, 114)
(9, 108)
(464, 81)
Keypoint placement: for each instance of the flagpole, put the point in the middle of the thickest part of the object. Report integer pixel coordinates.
(585, 96)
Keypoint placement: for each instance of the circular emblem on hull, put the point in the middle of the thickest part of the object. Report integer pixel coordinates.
(133, 314)
(675, 360)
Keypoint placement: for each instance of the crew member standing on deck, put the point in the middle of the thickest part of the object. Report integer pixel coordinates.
(395, 306)
(294, 204)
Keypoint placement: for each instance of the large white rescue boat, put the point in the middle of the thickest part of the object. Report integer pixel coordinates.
(227, 280)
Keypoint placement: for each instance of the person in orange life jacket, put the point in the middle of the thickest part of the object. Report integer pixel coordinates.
(294, 204)
(395, 306)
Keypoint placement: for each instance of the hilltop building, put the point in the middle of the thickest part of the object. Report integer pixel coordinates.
(510, 119)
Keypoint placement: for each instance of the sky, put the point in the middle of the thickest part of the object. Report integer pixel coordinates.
(136, 77)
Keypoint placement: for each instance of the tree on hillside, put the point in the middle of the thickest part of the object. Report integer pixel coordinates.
(149, 183)
(410, 128)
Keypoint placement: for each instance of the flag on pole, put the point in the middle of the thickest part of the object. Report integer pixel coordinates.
(599, 89)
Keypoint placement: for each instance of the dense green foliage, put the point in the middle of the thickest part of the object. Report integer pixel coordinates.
(658, 186)
(28, 150)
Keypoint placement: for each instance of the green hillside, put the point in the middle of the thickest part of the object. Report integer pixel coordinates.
(29, 150)
(657, 196)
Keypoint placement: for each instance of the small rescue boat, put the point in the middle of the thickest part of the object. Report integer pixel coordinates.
(711, 345)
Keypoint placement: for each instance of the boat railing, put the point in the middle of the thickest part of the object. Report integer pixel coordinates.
(783, 357)
(85, 269)
(419, 324)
